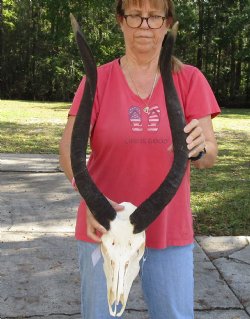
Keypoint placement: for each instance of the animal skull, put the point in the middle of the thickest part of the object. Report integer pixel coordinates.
(122, 251)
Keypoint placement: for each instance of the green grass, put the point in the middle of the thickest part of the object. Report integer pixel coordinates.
(220, 196)
(31, 127)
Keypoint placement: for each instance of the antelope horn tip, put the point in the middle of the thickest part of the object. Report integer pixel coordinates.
(175, 29)
(74, 23)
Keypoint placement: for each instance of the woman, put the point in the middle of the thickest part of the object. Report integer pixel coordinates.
(131, 154)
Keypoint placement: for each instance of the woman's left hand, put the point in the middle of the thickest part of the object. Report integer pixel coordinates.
(196, 138)
(201, 135)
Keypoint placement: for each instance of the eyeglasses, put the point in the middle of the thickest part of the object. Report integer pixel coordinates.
(135, 21)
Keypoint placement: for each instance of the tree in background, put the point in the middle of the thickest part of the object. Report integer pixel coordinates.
(1, 39)
(40, 60)
(215, 38)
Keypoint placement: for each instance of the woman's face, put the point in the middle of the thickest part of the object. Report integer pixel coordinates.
(143, 39)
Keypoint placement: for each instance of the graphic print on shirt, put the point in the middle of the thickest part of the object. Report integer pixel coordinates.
(139, 122)
(135, 118)
(153, 118)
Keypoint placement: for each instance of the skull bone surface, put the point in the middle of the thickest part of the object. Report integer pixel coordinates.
(122, 251)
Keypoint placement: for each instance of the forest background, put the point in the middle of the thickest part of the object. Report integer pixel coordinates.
(40, 60)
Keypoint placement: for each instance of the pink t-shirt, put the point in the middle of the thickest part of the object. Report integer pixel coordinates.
(130, 156)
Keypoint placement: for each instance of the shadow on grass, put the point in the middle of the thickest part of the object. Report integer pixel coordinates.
(235, 113)
(56, 106)
(220, 199)
(220, 195)
(61, 107)
(223, 214)
(30, 138)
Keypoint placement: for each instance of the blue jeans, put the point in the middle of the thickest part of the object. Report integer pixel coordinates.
(166, 276)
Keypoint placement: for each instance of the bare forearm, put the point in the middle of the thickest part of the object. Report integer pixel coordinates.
(65, 164)
(64, 149)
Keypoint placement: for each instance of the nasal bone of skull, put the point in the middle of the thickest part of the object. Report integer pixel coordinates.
(122, 251)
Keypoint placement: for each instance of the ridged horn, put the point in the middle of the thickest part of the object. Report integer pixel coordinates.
(150, 209)
(96, 201)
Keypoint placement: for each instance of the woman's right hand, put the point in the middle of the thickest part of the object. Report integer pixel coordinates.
(93, 226)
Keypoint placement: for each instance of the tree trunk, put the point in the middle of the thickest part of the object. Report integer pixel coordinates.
(1, 47)
(218, 71)
(200, 34)
(247, 89)
(238, 68)
(207, 41)
(239, 61)
(232, 70)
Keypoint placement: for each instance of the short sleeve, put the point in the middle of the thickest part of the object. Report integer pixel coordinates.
(200, 99)
(77, 100)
